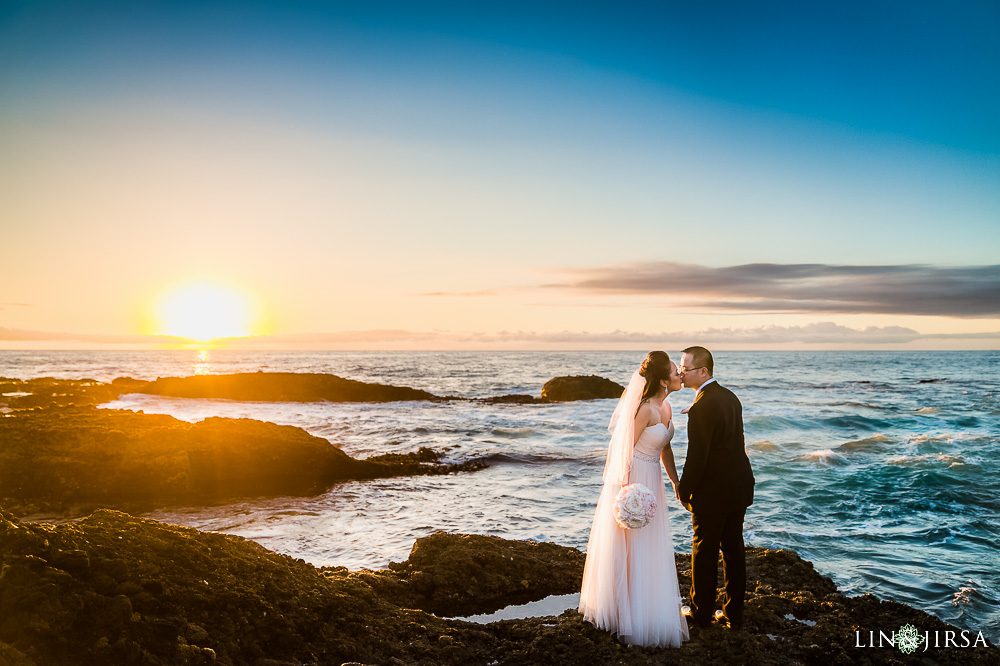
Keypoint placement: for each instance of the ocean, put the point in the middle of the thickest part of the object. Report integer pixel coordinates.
(882, 468)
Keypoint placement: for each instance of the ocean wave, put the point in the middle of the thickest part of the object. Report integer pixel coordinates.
(513, 433)
(989, 403)
(931, 438)
(873, 443)
(963, 596)
(952, 461)
(825, 456)
(527, 459)
(764, 445)
(858, 422)
(770, 422)
(863, 385)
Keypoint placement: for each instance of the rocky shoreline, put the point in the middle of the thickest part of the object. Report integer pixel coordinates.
(71, 460)
(62, 456)
(19, 394)
(113, 588)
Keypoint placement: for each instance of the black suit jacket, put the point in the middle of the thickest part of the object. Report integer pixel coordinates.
(717, 475)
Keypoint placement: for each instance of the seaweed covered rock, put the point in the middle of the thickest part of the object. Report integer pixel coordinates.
(117, 589)
(281, 387)
(77, 458)
(579, 387)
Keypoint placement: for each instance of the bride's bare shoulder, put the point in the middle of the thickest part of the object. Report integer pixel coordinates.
(647, 415)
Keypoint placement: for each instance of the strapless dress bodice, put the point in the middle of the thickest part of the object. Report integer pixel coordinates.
(653, 439)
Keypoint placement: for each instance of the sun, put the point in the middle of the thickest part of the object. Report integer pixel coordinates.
(202, 312)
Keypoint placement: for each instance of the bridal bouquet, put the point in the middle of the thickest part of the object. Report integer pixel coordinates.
(634, 506)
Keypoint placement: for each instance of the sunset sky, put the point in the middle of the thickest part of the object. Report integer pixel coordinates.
(505, 175)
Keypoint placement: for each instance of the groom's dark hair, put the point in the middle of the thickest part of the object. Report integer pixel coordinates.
(702, 358)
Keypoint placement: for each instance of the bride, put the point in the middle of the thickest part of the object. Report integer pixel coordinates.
(630, 580)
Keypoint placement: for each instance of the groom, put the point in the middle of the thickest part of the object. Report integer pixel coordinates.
(716, 487)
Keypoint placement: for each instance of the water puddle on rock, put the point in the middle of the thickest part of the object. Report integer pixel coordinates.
(551, 605)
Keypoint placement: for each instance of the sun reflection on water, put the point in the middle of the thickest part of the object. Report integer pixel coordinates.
(203, 363)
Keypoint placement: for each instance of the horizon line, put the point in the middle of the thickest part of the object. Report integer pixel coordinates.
(582, 351)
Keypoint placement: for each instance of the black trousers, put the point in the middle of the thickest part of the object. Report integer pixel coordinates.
(712, 531)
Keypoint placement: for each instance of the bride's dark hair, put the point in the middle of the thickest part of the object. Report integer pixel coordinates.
(655, 367)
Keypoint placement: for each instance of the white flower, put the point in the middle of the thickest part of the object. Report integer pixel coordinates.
(634, 506)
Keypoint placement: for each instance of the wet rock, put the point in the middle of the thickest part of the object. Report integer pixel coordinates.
(128, 385)
(71, 460)
(195, 634)
(422, 455)
(512, 399)
(464, 574)
(223, 599)
(76, 562)
(281, 387)
(17, 394)
(591, 387)
(12, 657)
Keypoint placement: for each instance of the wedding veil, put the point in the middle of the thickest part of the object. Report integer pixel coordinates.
(619, 461)
(604, 594)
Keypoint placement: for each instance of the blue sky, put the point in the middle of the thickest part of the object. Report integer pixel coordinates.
(433, 166)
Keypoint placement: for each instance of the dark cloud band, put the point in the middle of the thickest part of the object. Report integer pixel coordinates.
(969, 291)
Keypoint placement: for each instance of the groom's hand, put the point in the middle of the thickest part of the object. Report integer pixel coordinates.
(684, 410)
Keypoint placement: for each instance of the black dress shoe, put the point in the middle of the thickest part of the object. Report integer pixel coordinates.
(722, 620)
(700, 622)
(697, 621)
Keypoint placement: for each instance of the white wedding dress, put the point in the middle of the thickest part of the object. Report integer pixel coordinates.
(631, 590)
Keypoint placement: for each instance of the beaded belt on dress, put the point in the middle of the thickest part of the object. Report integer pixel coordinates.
(644, 456)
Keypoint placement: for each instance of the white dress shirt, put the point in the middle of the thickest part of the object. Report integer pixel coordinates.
(702, 387)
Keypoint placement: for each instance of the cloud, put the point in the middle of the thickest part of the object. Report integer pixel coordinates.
(816, 333)
(819, 333)
(485, 292)
(969, 291)
(336, 337)
(22, 335)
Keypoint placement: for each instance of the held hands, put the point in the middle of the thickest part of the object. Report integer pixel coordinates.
(676, 493)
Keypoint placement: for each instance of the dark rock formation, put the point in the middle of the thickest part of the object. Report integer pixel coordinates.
(113, 589)
(464, 574)
(127, 384)
(259, 386)
(591, 387)
(270, 387)
(78, 458)
(512, 399)
(117, 589)
(48, 392)
(281, 387)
